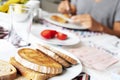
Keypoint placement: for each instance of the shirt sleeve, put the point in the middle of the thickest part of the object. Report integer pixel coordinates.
(117, 15)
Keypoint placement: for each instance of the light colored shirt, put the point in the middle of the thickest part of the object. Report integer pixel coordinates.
(105, 12)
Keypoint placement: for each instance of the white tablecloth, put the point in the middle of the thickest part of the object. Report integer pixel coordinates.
(95, 75)
(7, 50)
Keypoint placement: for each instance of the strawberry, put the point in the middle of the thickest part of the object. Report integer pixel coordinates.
(48, 34)
(61, 36)
(53, 32)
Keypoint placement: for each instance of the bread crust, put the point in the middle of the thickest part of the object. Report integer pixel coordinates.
(7, 71)
(38, 61)
(64, 56)
(53, 55)
(28, 73)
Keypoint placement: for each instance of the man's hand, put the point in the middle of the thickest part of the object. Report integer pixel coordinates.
(64, 7)
(87, 21)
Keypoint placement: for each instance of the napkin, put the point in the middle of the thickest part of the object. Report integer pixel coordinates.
(93, 57)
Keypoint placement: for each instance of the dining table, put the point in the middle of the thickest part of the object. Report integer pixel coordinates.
(87, 39)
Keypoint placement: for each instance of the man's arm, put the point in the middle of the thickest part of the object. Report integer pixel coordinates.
(87, 21)
(115, 31)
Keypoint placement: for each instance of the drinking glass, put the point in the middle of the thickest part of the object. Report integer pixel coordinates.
(21, 21)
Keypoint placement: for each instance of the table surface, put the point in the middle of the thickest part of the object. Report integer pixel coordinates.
(6, 50)
(95, 74)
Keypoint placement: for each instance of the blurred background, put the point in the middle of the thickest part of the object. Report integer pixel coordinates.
(51, 5)
(47, 5)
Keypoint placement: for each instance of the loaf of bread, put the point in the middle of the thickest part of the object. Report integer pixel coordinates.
(38, 61)
(7, 71)
(29, 73)
(53, 55)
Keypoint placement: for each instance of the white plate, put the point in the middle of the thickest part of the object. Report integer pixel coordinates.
(71, 72)
(72, 38)
(67, 25)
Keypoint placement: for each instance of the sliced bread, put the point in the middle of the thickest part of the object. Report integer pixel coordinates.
(28, 73)
(54, 56)
(7, 71)
(64, 56)
(38, 61)
(58, 19)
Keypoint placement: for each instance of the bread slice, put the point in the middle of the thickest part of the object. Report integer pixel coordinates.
(58, 19)
(7, 71)
(28, 73)
(67, 15)
(64, 56)
(38, 61)
(54, 56)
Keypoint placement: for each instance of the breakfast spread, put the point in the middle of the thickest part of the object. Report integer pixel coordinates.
(41, 63)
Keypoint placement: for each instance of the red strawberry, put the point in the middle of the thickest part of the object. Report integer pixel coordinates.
(53, 32)
(48, 34)
(61, 36)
